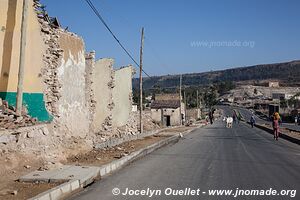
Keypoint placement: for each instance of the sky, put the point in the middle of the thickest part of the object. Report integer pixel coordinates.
(186, 36)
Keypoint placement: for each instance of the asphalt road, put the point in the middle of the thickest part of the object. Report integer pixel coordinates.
(209, 158)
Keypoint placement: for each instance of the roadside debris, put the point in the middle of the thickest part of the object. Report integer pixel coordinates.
(9, 119)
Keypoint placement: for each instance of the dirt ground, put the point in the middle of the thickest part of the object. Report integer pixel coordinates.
(26, 190)
(13, 165)
(98, 157)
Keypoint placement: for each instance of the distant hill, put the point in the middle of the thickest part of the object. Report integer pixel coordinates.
(288, 73)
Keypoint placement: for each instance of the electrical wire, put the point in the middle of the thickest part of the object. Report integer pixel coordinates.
(91, 5)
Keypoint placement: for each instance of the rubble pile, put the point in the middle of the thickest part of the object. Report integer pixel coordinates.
(132, 128)
(10, 120)
(149, 124)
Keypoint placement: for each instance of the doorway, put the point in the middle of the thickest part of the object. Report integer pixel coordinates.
(168, 120)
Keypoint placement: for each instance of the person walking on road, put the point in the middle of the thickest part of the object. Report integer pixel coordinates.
(296, 120)
(252, 121)
(239, 117)
(234, 118)
(276, 119)
(211, 117)
(225, 121)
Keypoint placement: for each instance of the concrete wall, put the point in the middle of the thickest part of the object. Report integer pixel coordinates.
(72, 106)
(10, 25)
(102, 77)
(193, 113)
(122, 95)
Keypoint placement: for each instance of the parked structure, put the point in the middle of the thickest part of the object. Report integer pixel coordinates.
(165, 109)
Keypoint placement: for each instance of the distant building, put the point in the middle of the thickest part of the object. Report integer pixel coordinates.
(273, 84)
(165, 109)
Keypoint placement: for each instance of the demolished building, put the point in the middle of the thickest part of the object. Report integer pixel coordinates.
(63, 85)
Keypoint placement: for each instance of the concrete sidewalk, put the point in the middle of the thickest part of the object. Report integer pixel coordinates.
(78, 177)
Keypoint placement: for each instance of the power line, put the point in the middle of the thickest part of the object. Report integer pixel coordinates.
(126, 21)
(113, 35)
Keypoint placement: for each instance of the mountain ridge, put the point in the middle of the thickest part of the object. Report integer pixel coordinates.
(285, 72)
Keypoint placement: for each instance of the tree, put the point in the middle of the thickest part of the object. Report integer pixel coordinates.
(210, 97)
(223, 87)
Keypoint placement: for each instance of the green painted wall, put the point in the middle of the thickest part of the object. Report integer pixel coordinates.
(34, 103)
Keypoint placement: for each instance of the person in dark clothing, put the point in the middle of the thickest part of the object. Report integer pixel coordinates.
(211, 117)
(252, 121)
(234, 118)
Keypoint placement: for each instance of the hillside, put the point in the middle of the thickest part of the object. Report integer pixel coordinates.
(288, 73)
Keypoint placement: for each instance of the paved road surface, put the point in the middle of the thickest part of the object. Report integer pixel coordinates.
(213, 157)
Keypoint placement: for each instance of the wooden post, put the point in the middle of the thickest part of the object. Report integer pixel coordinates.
(141, 81)
(197, 104)
(197, 99)
(185, 105)
(24, 22)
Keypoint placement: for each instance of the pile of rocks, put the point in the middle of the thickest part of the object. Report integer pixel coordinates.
(148, 122)
(132, 128)
(9, 119)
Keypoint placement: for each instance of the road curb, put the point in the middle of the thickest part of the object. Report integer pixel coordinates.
(116, 141)
(72, 186)
(59, 192)
(268, 130)
(281, 135)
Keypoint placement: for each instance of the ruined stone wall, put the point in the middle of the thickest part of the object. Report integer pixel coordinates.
(122, 96)
(72, 106)
(65, 81)
(80, 95)
(89, 90)
(103, 83)
(193, 113)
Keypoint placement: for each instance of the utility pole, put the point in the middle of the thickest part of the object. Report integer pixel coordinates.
(197, 99)
(141, 81)
(19, 99)
(197, 104)
(185, 105)
(180, 97)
